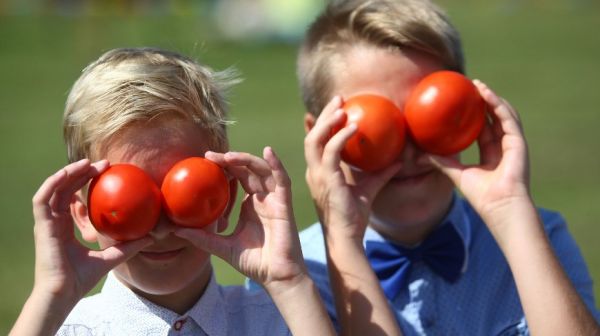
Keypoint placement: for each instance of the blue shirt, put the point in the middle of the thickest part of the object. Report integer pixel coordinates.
(221, 311)
(483, 301)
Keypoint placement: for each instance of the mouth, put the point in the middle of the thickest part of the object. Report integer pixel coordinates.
(160, 255)
(412, 179)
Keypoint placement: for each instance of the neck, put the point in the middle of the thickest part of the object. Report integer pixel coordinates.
(409, 231)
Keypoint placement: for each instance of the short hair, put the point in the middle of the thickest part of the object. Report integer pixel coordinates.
(132, 85)
(391, 24)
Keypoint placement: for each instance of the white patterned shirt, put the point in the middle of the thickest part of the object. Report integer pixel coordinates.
(221, 311)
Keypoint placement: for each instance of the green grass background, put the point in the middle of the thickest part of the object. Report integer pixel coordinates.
(545, 59)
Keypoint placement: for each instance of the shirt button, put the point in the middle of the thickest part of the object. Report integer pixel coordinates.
(179, 324)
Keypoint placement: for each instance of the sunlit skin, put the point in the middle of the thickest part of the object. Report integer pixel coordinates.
(171, 272)
(415, 200)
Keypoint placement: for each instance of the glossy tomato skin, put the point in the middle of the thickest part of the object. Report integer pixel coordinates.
(444, 113)
(195, 192)
(124, 203)
(380, 134)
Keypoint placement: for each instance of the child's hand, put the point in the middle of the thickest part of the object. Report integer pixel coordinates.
(498, 189)
(64, 268)
(501, 181)
(265, 244)
(343, 201)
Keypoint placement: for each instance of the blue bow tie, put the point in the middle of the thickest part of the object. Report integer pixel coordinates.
(442, 251)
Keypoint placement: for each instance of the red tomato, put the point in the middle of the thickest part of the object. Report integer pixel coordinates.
(380, 135)
(444, 113)
(195, 192)
(124, 202)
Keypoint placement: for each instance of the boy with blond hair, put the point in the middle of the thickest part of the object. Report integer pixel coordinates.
(152, 108)
(490, 263)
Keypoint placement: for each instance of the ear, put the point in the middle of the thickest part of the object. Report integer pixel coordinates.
(79, 212)
(309, 121)
(224, 219)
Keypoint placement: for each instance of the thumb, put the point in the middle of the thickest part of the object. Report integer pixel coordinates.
(116, 254)
(450, 166)
(374, 183)
(207, 241)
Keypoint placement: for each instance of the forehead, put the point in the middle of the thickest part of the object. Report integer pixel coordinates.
(156, 145)
(388, 72)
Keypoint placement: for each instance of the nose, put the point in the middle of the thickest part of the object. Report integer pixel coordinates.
(411, 152)
(163, 228)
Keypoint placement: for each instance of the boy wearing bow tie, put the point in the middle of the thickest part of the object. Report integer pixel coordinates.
(486, 264)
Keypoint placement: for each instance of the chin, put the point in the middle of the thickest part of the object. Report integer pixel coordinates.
(417, 200)
(163, 280)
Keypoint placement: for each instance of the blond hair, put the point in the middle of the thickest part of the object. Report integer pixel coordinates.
(131, 85)
(391, 24)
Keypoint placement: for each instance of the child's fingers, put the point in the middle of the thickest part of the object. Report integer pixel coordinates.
(333, 149)
(322, 130)
(450, 166)
(314, 141)
(374, 182)
(252, 172)
(489, 143)
(41, 199)
(334, 104)
(280, 174)
(44, 195)
(77, 178)
(116, 254)
(257, 176)
(218, 158)
(506, 115)
(254, 164)
(207, 241)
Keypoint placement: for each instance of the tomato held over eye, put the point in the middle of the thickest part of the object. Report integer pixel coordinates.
(124, 202)
(380, 134)
(195, 192)
(444, 113)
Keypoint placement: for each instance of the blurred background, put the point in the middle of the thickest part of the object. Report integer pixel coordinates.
(543, 56)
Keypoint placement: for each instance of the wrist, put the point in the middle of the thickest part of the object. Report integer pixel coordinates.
(43, 313)
(280, 289)
(350, 233)
(514, 222)
(300, 304)
(57, 292)
(56, 302)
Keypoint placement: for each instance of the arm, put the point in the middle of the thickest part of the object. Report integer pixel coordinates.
(265, 244)
(498, 189)
(65, 270)
(343, 209)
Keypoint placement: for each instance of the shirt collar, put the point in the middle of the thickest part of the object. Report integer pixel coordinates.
(209, 312)
(456, 217)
